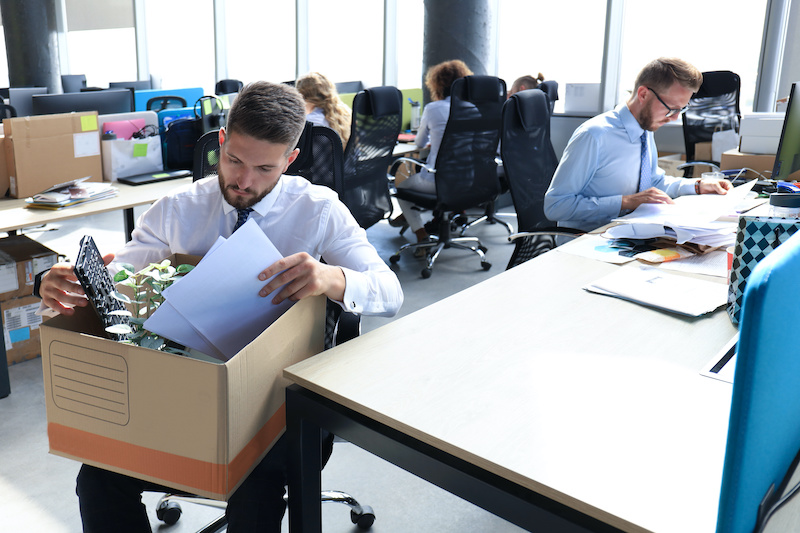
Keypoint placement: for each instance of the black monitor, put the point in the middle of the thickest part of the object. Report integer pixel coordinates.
(140, 85)
(105, 102)
(788, 159)
(21, 99)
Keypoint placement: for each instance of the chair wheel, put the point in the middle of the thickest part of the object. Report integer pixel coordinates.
(426, 273)
(486, 265)
(394, 259)
(365, 519)
(169, 512)
(483, 249)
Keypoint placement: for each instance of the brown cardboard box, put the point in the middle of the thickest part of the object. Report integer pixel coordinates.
(21, 328)
(762, 163)
(46, 150)
(4, 182)
(186, 423)
(21, 258)
(669, 163)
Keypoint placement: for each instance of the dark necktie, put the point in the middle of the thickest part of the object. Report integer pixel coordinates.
(645, 170)
(241, 217)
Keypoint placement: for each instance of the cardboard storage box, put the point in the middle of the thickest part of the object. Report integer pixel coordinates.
(762, 163)
(21, 328)
(189, 424)
(4, 181)
(21, 258)
(669, 163)
(46, 150)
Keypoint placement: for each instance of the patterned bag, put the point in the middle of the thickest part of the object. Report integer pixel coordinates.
(755, 239)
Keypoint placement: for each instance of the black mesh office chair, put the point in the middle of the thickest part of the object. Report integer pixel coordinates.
(8, 111)
(530, 162)
(228, 86)
(466, 170)
(715, 107)
(160, 103)
(377, 117)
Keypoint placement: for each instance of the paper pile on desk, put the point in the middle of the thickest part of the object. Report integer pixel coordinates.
(71, 193)
(216, 308)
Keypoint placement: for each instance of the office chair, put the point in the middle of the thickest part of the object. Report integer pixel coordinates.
(550, 88)
(8, 111)
(466, 170)
(715, 107)
(377, 116)
(160, 103)
(73, 83)
(530, 162)
(228, 86)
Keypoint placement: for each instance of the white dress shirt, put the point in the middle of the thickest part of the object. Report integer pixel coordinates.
(431, 129)
(296, 215)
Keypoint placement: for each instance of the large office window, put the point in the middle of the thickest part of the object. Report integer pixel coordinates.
(410, 38)
(710, 35)
(261, 42)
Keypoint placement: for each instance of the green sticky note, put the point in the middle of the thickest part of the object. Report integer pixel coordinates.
(207, 107)
(140, 150)
(89, 123)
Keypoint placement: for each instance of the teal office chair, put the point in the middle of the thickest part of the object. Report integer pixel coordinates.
(764, 428)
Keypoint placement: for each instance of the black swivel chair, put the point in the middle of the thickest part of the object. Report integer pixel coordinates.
(466, 169)
(228, 86)
(8, 111)
(160, 103)
(376, 122)
(550, 88)
(715, 107)
(530, 162)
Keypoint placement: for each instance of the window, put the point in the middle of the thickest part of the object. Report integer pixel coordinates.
(410, 37)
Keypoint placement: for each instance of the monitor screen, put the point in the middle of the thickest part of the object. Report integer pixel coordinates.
(105, 102)
(788, 159)
(21, 99)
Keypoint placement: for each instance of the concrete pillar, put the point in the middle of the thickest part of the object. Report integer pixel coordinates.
(31, 43)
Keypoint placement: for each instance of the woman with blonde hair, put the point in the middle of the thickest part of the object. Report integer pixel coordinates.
(323, 105)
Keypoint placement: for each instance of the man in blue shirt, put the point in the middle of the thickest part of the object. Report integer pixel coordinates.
(600, 171)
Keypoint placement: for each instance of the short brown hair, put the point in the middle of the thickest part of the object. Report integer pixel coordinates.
(661, 73)
(440, 77)
(268, 112)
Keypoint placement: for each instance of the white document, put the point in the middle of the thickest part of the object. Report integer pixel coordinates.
(169, 323)
(663, 290)
(711, 264)
(219, 298)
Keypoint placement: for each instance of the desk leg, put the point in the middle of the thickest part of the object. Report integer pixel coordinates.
(305, 465)
(129, 223)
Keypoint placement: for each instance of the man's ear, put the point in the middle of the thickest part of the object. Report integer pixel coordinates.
(291, 158)
(221, 136)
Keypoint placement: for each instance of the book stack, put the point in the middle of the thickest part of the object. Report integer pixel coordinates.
(71, 193)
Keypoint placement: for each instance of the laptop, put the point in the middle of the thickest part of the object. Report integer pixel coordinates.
(152, 177)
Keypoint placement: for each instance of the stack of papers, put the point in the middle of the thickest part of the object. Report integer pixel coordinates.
(71, 193)
(216, 309)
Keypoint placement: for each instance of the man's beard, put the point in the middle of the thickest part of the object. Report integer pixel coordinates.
(646, 119)
(237, 201)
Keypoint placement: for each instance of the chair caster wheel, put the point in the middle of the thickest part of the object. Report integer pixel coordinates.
(394, 259)
(169, 512)
(483, 249)
(365, 519)
(486, 265)
(426, 273)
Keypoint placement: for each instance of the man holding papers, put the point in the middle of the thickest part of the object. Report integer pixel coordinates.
(610, 165)
(304, 222)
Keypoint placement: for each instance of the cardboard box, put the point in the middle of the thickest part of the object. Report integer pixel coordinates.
(46, 150)
(190, 424)
(762, 163)
(21, 328)
(4, 181)
(21, 258)
(669, 163)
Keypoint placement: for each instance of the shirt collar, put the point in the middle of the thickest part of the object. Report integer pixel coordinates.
(266, 203)
(630, 123)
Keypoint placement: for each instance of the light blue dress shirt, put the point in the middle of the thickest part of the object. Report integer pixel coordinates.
(600, 165)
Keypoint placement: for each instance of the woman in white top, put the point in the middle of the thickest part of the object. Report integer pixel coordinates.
(323, 105)
(438, 80)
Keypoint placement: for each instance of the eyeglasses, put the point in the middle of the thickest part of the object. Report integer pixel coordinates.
(670, 111)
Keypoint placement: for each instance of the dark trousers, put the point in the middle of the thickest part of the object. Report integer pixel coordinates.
(113, 502)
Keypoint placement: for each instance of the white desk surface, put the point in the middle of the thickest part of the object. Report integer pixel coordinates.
(14, 215)
(590, 400)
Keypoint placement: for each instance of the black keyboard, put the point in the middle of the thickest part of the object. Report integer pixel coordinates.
(99, 287)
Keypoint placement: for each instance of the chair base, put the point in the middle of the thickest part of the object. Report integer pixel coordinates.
(490, 216)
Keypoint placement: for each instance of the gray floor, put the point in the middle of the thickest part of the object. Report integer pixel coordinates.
(37, 489)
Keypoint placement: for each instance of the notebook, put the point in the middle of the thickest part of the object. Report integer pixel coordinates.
(152, 177)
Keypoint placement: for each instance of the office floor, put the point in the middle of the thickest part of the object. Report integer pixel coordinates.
(37, 489)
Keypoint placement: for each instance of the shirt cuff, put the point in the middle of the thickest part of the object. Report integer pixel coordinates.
(355, 291)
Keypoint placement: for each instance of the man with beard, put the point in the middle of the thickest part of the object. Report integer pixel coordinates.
(303, 221)
(610, 165)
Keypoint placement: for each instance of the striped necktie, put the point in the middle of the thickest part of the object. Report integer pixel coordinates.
(645, 170)
(241, 217)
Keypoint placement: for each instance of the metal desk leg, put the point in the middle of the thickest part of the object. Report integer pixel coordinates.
(305, 465)
(129, 223)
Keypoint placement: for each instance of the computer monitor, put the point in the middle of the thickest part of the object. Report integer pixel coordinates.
(788, 159)
(72, 83)
(21, 99)
(139, 85)
(104, 102)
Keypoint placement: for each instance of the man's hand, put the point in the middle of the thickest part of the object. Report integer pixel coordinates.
(60, 289)
(649, 196)
(303, 276)
(714, 186)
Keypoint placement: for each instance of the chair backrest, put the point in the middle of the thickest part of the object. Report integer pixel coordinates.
(528, 157)
(206, 155)
(73, 83)
(714, 107)
(550, 88)
(377, 116)
(763, 433)
(228, 86)
(160, 103)
(321, 158)
(8, 111)
(466, 169)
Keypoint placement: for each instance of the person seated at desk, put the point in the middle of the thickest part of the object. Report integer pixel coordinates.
(610, 165)
(323, 105)
(523, 83)
(438, 80)
(304, 222)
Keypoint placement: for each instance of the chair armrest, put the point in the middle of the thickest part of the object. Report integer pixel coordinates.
(404, 159)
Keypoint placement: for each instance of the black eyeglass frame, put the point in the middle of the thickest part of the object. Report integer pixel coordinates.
(670, 111)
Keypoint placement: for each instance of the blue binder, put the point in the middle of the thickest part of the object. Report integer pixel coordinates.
(764, 429)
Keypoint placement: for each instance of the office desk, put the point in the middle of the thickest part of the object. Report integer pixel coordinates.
(14, 215)
(554, 408)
